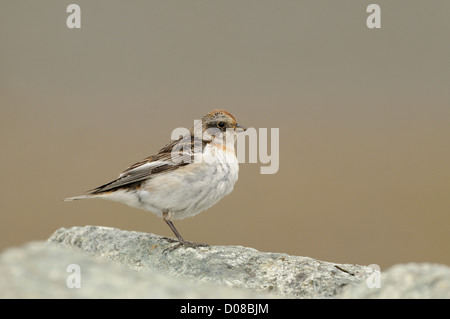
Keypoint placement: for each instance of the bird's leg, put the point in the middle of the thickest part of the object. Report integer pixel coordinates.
(167, 216)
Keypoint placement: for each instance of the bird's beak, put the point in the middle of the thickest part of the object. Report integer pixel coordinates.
(239, 128)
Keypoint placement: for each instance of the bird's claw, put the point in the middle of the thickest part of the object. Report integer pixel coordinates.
(182, 244)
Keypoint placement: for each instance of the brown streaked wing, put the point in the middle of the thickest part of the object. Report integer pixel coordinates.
(134, 174)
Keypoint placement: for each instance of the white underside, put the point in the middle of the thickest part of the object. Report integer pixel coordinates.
(186, 191)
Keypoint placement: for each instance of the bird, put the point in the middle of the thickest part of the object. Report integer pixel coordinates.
(184, 178)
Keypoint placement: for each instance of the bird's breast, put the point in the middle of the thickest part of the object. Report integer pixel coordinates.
(192, 188)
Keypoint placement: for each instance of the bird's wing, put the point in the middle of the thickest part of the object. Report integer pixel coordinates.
(164, 161)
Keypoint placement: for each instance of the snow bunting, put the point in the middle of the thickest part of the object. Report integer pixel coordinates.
(186, 177)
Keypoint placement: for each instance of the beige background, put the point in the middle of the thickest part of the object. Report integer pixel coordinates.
(364, 118)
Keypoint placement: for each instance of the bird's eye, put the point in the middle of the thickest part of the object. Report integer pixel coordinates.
(221, 124)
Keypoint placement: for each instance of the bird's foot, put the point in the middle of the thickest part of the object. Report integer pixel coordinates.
(183, 243)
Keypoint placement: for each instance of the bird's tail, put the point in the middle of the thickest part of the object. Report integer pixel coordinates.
(78, 197)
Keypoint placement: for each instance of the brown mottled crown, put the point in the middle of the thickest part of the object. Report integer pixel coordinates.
(215, 118)
(219, 112)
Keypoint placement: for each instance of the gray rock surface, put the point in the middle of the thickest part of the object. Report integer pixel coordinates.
(406, 281)
(39, 270)
(234, 266)
(123, 264)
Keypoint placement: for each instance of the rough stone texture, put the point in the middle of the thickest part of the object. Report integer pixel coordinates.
(124, 264)
(406, 281)
(234, 266)
(39, 270)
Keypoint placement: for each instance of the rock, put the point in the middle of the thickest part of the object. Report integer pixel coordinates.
(39, 270)
(123, 264)
(233, 266)
(406, 281)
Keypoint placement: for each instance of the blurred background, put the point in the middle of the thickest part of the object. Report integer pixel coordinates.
(364, 119)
